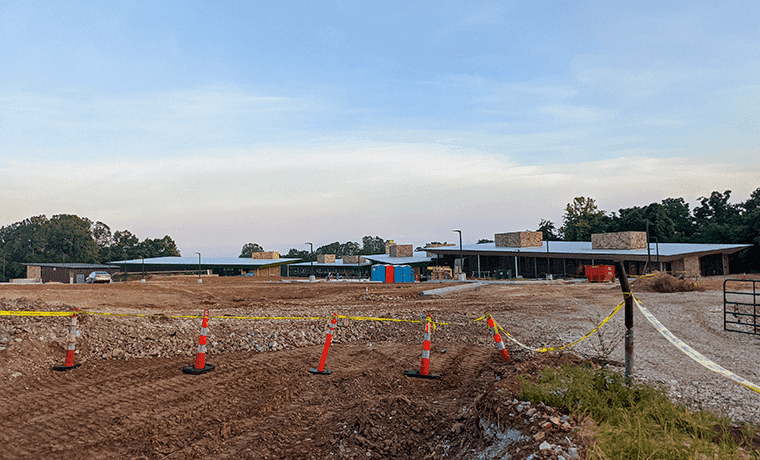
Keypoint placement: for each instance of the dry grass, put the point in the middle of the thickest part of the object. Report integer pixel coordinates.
(663, 282)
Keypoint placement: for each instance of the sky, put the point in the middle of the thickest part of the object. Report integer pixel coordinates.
(280, 123)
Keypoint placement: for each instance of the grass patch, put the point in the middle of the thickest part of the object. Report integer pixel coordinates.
(638, 421)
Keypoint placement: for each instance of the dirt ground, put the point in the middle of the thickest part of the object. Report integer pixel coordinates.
(129, 398)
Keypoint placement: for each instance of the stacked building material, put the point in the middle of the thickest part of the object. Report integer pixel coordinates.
(325, 258)
(518, 239)
(266, 255)
(440, 273)
(401, 250)
(619, 240)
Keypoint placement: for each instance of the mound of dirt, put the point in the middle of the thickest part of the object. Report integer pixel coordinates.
(663, 282)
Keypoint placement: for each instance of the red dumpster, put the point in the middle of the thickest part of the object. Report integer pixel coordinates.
(600, 273)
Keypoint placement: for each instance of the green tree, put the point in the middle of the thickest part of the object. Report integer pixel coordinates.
(69, 238)
(582, 218)
(717, 221)
(373, 245)
(302, 254)
(635, 219)
(683, 223)
(158, 247)
(548, 230)
(248, 250)
(484, 240)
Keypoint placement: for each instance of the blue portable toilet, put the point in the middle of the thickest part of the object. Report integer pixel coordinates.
(378, 273)
(407, 274)
(398, 274)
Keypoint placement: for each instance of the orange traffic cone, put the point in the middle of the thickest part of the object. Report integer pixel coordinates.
(200, 366)
(497, 338)
(71, 347)
(328, 340)
(424, 372)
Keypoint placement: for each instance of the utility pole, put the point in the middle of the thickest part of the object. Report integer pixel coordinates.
(311, 257)
(461, 254)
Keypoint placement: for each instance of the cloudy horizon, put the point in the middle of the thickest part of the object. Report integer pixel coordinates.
(278, 124)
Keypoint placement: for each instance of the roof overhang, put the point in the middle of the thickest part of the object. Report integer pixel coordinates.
(582, 250)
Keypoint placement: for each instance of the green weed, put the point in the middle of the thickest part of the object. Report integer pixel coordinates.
(636, 421)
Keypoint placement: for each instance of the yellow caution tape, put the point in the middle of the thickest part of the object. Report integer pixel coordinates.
(545, 350)
(139, 315)
(35, 313)
(692, 353)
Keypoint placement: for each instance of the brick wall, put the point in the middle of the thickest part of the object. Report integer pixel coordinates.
(619, 240)
(518, 239)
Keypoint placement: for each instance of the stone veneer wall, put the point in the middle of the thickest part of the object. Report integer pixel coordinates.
(688, 266)
(619, 240)
(518, 239)
(401, 250)
(34, 271)
(325, 258)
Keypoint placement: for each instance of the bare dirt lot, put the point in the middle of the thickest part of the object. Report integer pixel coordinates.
(129, 398)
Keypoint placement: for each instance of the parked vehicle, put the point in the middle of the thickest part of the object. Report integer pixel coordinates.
(98, 277)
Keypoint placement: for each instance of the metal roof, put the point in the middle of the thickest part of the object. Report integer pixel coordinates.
(68, 265)
(418, 258)
(583, 249)
(337, 263)
(206, 261)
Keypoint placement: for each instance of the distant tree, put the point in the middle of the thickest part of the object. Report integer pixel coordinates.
(373, 245)
(582, 218)
(68, 236)
(158, 247)
(349, 248)
(548, 230)
(484, 240)
(294, 253)
(683, 223)
(717, 220)
(635, 219)
(248, 250)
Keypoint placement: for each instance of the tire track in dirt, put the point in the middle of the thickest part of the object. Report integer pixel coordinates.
(252, 404)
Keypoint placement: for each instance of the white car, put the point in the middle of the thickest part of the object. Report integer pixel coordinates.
(98, 277)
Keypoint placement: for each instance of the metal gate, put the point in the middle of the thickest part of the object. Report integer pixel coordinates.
(741, 306)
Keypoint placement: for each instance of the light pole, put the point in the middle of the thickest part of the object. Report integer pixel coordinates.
(311, 253)
(199, 268)
(461, 256)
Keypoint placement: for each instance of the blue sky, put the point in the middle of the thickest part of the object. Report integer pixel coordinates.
(222, 123)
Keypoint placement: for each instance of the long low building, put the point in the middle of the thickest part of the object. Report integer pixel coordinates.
(525, 254)
(225, 266)
(74, 273)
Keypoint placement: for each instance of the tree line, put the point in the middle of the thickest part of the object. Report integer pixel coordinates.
(69, 238)
(715, 221)
(369, 245)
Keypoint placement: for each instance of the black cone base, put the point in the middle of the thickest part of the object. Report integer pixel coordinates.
(193, 371)
(65, 368)
(417, 375)
(316, 371)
